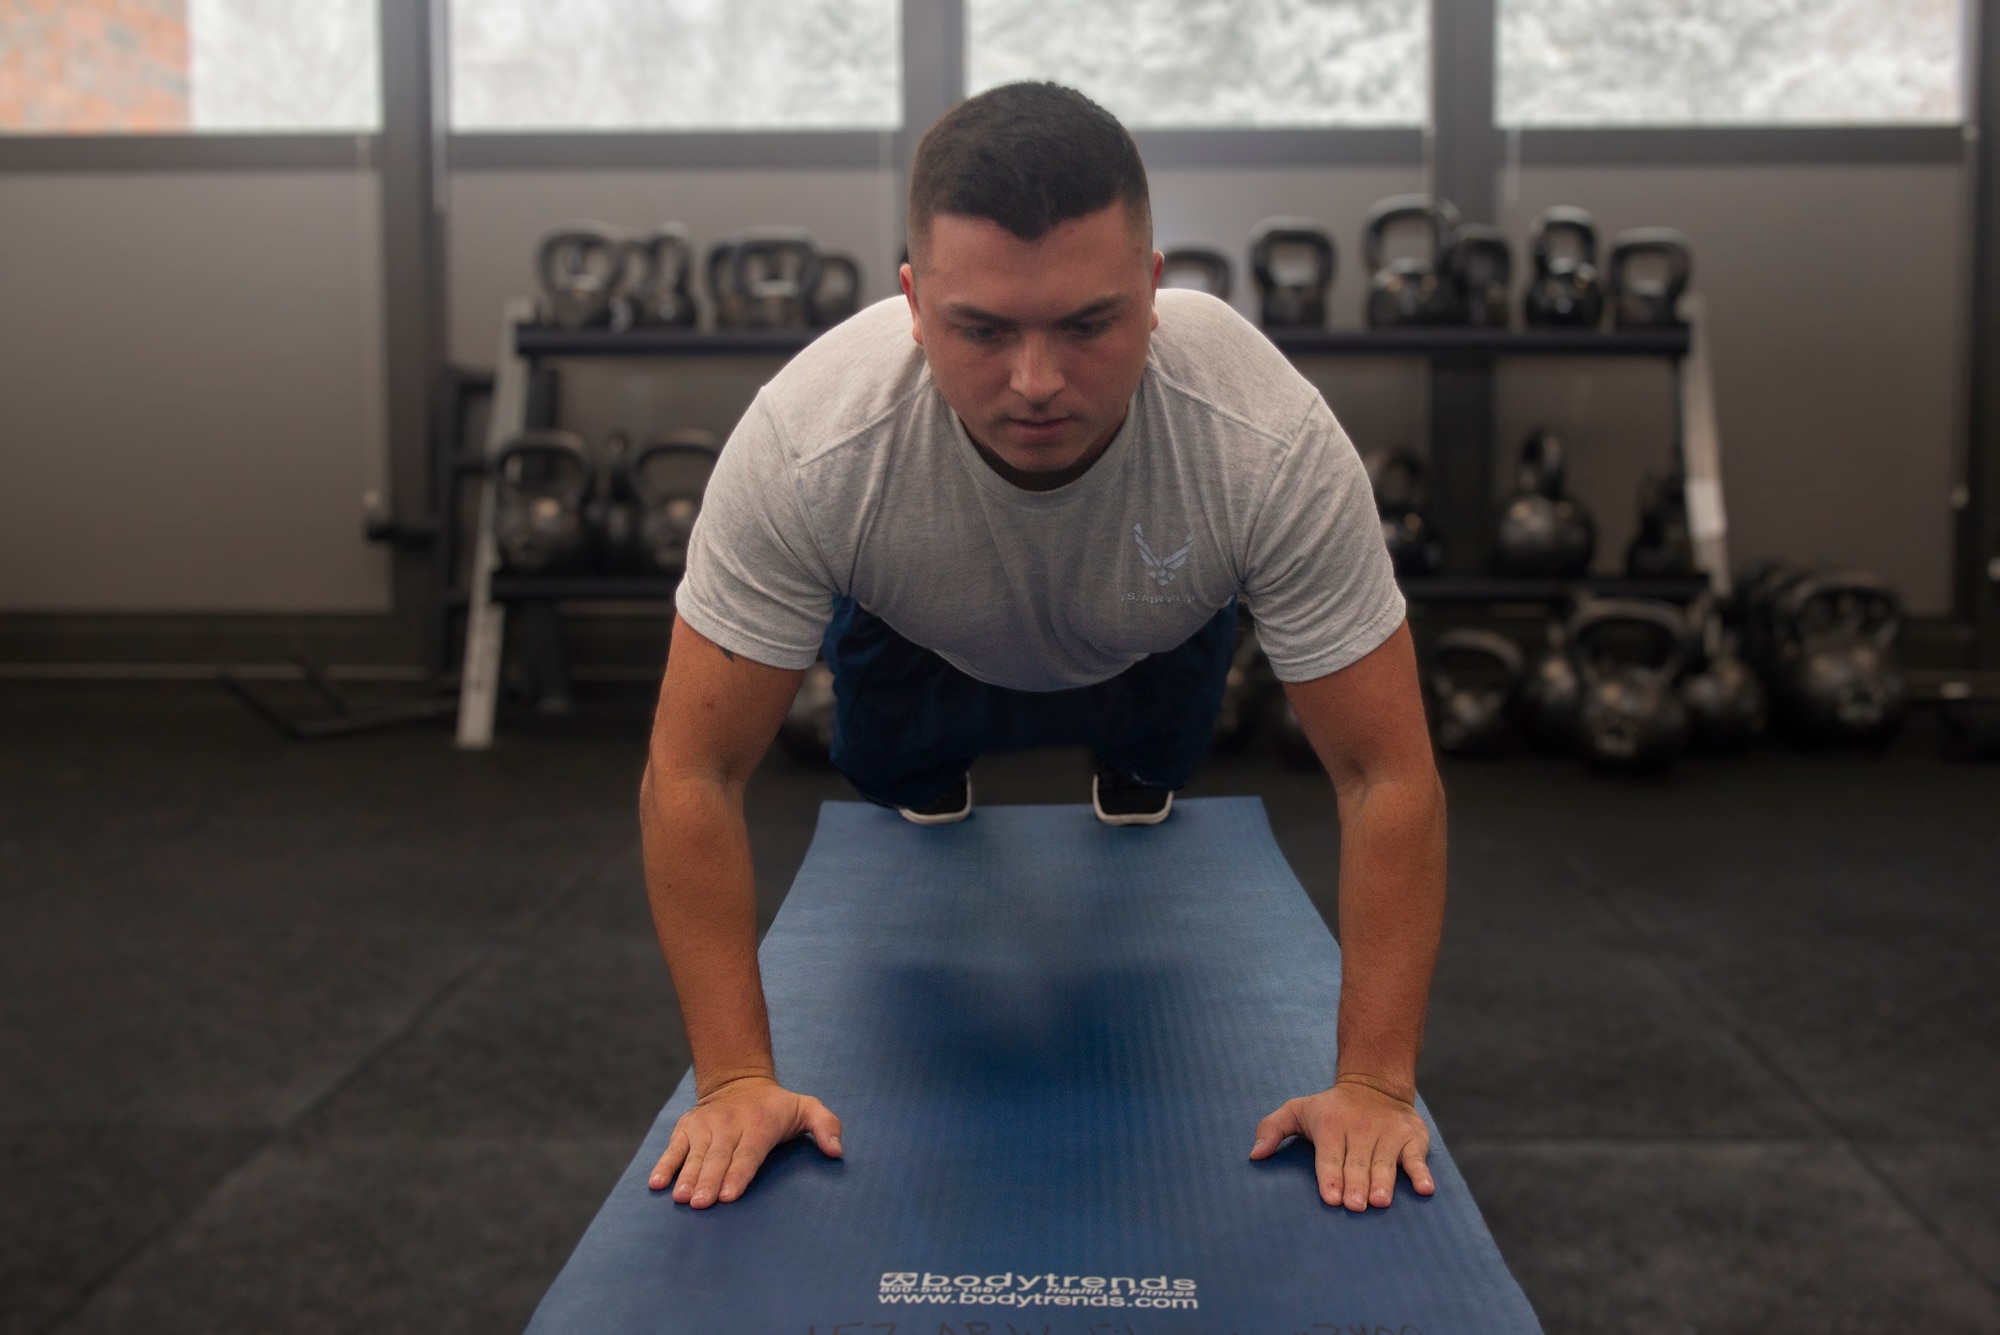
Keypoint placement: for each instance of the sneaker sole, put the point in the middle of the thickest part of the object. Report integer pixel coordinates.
(1137, 818)
(945, 818)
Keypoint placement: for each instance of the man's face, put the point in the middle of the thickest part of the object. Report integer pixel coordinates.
(1036, 345)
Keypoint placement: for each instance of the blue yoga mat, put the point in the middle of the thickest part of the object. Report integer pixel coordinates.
(1050, 1042)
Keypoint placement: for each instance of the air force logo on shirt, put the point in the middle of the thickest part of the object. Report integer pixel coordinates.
(1162, 569)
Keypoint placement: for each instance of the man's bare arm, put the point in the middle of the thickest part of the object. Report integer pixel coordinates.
(717, 715)
(1366, 722)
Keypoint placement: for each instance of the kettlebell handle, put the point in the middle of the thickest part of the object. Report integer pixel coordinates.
(1544, 455)
(1664, 242)
(1275, 232)
(549, 266)
(1564, 219)
(1437, 214)
(690, 442)
(1592, 614)
(562, 444)
(775, 240)
(1793, 601)
(1487, 644)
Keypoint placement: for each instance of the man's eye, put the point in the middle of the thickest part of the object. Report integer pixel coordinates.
(1087, 328)
(978, 333)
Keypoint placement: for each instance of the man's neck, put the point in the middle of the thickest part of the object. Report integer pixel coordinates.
(1043, 481)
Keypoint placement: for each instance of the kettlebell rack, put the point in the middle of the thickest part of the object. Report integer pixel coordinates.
(1461, 361)
(1462, 365)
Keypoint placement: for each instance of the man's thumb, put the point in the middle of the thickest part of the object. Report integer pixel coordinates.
(823, 1125)
(1271, 1132)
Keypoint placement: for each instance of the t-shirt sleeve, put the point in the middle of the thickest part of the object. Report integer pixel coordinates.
(1318, 579)
(756, 582)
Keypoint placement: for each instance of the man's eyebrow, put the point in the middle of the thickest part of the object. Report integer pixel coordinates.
(959, 310)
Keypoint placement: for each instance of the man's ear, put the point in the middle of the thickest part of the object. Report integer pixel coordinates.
(1159, 268)
(907, 276)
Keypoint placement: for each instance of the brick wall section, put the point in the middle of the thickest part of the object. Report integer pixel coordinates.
(93, 65)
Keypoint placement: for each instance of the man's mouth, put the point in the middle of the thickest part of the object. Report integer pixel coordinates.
(1038, 428)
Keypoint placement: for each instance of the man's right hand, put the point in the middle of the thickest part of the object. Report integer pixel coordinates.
(720, 1143)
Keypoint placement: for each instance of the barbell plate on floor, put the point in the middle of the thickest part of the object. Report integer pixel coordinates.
(1050, 1042)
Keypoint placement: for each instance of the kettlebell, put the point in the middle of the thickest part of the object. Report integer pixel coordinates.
(1565, 292)
(666, 478)
(1246, 691)
(838, 294)
(1552, 695)
(1759, 585)
(1628, 652)
(1835, 636)
(542, 481)
(655, 288)
(1482, 269)
(807, 732)
(1293, 262)
(1198, 267)
(1541, 531)
(774, 272)
(1725, 701)
(731, 310)
(1647, 273)
(1475, 679)
(1397, 477)
(580, 268)
(1663, 546)
(1411, 289)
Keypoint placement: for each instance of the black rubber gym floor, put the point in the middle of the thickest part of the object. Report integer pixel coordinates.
(356, 1035)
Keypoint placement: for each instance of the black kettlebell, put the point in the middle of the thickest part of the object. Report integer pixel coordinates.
(1647, 273)
(655, 289)
(774, 272)
(732, 311)
(1835, 635)
(1199, 268)
(1397, 477)
(580, 269)
(1541, 531)
(838, 294)
(1725, 702)
(611, 516)
(1565, 292)
(1475, 680)
(1293, 262)
(1246, 692)
(807, 732)
(542, 482)
(1481, 265)
(1628, 652)
(1759, 585)
(1552, 696)
(1663, 547)
(666, 478)
(1410, 289)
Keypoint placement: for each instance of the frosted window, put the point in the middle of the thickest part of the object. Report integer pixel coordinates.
(675, 64)
(1156, 63)
(1730, 62)
(172, 66)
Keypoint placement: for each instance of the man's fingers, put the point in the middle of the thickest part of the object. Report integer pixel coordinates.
(1326, 1164)
(670, 1162)
(1382, 1174)
(1271, 1132)
(1354, 1170)
(691, 1166)
(1414, 1164)
(743, 1165)
(714, 1164)
(824, 1127)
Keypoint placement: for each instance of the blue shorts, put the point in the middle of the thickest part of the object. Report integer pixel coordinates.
(907, 723)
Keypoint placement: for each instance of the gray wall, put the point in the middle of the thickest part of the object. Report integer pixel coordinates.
(190, 392)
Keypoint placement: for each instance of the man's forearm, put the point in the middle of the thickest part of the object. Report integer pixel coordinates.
(704, 898)
(1392, 872)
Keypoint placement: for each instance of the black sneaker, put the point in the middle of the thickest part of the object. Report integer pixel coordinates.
(1122, 800)
(949, 807)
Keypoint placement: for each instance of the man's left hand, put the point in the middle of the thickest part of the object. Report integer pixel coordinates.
(1360, 1135)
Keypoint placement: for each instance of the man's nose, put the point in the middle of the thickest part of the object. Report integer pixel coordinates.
(1038, 374)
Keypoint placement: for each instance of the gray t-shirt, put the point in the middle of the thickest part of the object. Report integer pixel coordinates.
(850, 475)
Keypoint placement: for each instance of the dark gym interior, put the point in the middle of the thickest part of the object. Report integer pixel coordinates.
(361, 369)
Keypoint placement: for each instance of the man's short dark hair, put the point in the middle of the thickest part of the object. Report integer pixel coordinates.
(1027, 156)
